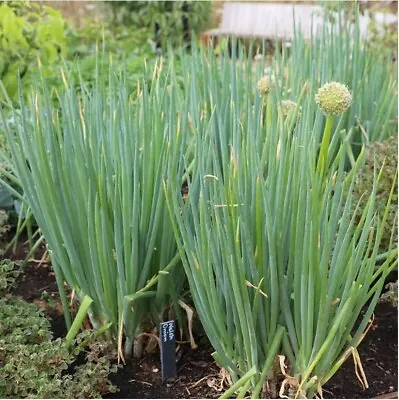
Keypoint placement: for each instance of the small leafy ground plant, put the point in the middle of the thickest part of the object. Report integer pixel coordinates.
(33, 365)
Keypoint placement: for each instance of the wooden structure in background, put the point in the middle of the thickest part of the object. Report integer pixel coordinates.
(266, 20)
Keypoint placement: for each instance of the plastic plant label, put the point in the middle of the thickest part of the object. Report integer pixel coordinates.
(168, 350)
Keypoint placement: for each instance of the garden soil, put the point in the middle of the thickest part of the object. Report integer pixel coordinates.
(198, 374)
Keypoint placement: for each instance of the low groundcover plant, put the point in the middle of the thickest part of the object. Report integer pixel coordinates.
(33, 365)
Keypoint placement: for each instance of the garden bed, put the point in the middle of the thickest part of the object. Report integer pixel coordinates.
(283, 220)
(198, 374)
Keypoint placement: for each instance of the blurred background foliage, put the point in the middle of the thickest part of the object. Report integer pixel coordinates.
(35, 34)
(29, 32)
(171, 21)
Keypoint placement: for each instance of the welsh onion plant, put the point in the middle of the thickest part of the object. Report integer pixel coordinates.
(12, 200)
(338, 52)
(276, 262)
(91, 173)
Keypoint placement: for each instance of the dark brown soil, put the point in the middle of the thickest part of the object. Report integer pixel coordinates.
(199, 376)
(379, 356)
(38, 286)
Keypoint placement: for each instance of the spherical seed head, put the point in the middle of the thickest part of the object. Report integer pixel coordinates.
(264, 85)
(333, 98)
(287, 106)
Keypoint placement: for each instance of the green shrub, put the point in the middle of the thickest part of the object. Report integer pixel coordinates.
(29, 32)
(168, 14)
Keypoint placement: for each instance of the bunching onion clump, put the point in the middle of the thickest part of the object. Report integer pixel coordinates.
(92, 174)
(279, 266)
